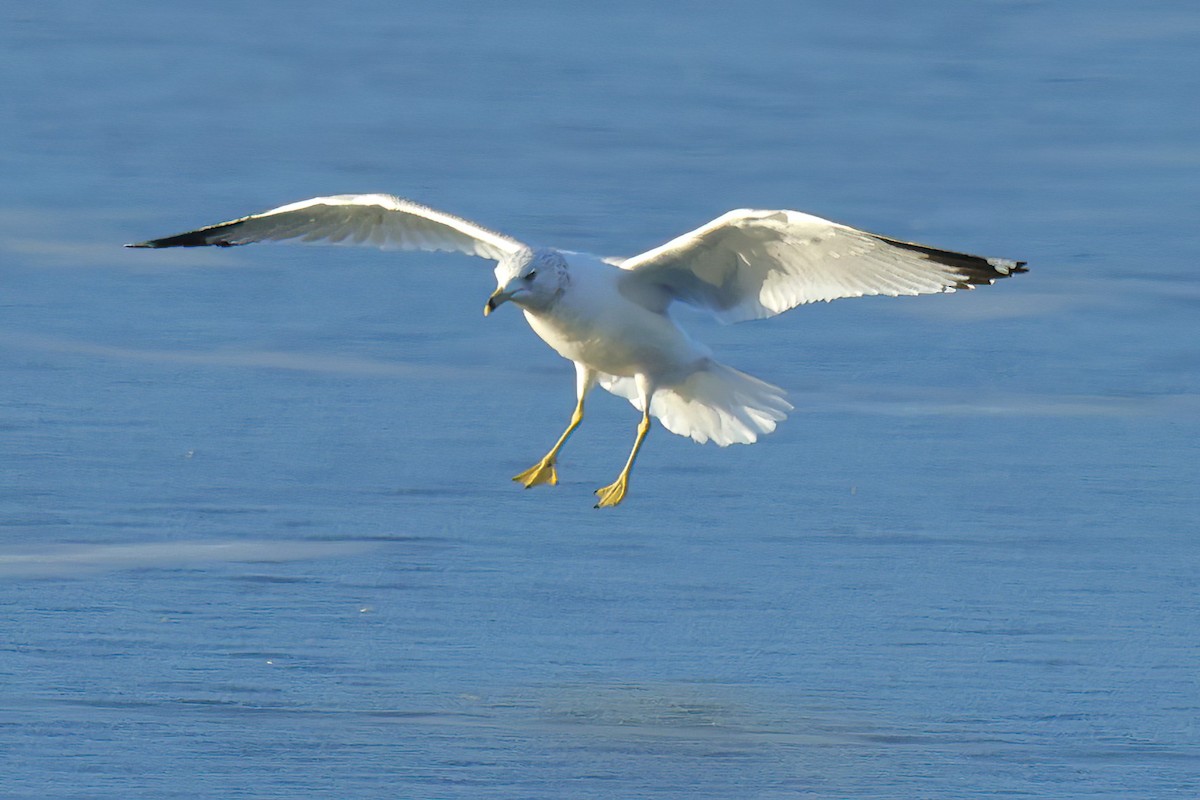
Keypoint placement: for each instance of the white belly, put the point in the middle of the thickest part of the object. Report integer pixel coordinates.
(634, 341)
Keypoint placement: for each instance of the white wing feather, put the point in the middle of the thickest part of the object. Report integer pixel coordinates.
(379, 220)
(749, 264)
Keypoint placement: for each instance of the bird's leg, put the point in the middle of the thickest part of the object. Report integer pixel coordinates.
(544, 471)
(615, 492)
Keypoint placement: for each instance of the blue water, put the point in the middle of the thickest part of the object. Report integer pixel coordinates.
(257, 533)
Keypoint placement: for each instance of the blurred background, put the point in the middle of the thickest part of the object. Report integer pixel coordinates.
(257, 533)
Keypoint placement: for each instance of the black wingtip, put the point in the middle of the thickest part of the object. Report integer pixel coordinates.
(200, 238)
(975, 270)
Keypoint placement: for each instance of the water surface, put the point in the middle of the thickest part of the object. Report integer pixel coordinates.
(257, 533)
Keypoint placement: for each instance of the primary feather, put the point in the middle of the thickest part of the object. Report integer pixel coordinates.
(749, 264)
(380, 220)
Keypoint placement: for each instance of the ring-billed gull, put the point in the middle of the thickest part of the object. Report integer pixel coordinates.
(610, 316)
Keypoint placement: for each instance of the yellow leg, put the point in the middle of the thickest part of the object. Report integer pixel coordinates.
(544, 471)
(615, 492)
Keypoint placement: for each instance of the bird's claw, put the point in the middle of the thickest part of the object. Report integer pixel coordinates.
(613, 493)
(539, 473)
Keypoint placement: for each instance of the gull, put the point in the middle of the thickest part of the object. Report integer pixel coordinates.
(610, 316)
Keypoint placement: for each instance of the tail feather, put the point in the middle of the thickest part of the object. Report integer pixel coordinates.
(717, 403)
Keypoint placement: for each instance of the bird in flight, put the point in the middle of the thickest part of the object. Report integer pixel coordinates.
(610, 316)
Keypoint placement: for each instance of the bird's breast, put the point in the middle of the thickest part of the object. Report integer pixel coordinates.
(620, 340)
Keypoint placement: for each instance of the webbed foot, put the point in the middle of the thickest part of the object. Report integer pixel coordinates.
(539, 473)
(613, 493)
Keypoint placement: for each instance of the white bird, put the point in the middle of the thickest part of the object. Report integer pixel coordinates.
(610, 316)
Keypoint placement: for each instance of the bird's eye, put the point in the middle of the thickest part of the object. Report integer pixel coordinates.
(532, 274)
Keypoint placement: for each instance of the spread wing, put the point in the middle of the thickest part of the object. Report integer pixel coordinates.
(379, 220)
(750, 264)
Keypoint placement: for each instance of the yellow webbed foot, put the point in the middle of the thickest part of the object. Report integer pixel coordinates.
(539, 473)
(613, 493)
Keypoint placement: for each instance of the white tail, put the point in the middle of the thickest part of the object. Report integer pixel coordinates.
(716, 403)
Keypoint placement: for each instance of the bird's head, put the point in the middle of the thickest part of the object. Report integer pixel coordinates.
(533, 279)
